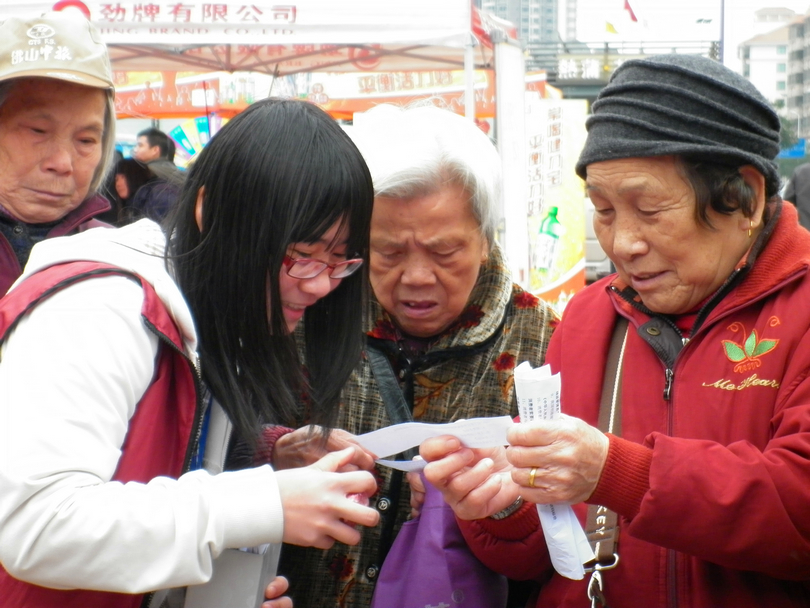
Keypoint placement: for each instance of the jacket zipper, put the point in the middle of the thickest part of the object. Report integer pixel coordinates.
(669, 372)
(670, 376)
(198, 419)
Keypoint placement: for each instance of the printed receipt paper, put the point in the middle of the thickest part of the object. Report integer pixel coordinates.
(538, 396)
(473, 433)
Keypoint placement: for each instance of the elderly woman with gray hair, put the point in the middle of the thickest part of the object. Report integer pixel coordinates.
(444, 329)
(698, 351)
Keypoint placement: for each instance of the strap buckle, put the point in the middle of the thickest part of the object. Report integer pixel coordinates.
(596, 591)
(598, 566)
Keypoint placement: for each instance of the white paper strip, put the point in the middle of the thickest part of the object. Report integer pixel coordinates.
(538, 395)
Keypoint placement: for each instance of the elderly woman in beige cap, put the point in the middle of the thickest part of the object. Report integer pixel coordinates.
(699, 349)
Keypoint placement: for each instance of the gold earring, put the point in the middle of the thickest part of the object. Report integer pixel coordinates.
(750, 228)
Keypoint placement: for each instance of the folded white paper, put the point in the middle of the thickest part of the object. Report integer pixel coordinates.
(473, 433)
(403, 465)
(538, 396)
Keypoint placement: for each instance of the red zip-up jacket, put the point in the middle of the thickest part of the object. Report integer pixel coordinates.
(711, 477)
(159, 438)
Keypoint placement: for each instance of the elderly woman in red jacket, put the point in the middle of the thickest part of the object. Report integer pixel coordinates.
(710, 478)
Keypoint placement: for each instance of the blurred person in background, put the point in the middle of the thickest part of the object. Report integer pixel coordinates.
(130, 176)
(155, 199)
(798, 192)
(154, 148)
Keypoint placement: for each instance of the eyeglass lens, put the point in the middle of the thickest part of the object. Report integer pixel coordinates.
(307, 269)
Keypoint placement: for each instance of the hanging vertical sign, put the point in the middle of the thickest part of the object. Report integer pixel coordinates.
(555, 132)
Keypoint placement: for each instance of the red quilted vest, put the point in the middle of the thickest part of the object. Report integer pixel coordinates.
(159, 436)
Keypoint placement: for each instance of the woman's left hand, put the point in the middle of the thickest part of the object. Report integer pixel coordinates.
(273, 593)
(305, 446)
(568, 456)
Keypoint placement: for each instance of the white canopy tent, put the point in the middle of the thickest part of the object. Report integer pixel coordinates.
(307, 35)
(294, 36)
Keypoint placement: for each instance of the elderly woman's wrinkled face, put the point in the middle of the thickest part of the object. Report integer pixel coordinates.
(645, 221)
(51, 135)
(426, 253)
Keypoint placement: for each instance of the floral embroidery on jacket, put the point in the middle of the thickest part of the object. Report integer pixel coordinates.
(747, 355)
(469, 317)
(384, 330)
(523, 299)
(420, 404)
(504, 364)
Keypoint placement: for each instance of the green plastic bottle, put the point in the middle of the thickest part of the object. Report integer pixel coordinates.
(548, 241)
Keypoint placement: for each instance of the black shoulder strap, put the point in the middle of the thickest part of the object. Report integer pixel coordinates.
(395, 404)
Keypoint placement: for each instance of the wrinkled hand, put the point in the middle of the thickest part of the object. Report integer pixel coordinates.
(305, 446)
(417, 492)
(569, 455)
(274, 591)
(474, 482)
(318, 509)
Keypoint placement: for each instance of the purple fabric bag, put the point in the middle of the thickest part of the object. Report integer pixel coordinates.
(430, 565)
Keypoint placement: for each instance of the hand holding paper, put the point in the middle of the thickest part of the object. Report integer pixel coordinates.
(475, 482)
(473, 433)
(538, 394)
(317, 507)
(569, 455)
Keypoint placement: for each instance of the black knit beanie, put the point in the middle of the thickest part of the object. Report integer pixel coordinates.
(686, 105)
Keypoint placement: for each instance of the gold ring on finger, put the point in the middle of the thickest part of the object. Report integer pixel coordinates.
(532, 473)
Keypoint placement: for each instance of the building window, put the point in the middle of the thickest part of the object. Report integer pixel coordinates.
(781, 50)
(781, 68)
(780, 85)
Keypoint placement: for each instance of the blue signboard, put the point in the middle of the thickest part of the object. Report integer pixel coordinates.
(796, 151)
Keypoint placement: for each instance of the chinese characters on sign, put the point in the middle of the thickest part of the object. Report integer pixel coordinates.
(179, 12)
(545, 167)
(587, 68)
(555, 131)
(398, 82)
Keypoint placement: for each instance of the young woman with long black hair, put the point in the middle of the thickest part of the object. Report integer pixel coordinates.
(133, 360)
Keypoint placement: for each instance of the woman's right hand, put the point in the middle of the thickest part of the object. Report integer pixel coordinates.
(475, 482)
(317, 502)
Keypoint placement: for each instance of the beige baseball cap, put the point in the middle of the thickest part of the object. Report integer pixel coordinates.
(54, 45)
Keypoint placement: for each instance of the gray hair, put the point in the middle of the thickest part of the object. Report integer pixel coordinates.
(415, 151)
(107, 139)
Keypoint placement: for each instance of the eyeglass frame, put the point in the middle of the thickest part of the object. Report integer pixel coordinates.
(290, 261)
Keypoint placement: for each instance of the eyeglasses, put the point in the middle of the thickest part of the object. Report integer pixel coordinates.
(307, 268)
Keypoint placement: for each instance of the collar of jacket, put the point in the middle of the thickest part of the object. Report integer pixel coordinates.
(91, 206)
(478, 322)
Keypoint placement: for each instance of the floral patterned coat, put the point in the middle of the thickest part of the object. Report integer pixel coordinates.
(465, 373)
